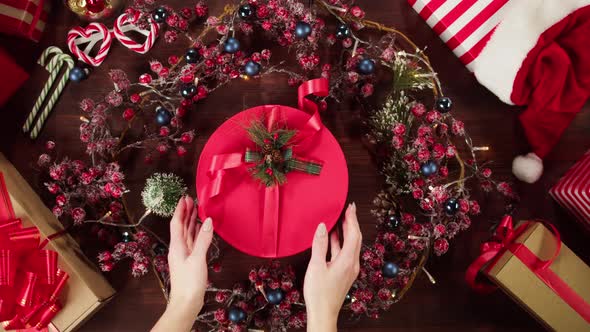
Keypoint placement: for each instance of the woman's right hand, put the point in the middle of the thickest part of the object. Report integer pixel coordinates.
(327, 283)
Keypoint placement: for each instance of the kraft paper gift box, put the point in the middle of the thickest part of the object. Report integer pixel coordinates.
(86, 290)
(535, 254)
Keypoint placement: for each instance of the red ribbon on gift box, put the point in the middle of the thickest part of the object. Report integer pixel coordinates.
(505, 240)
(30, 281)
(223, 162)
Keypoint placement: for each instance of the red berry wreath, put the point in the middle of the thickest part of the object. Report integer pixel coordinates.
(424, 154)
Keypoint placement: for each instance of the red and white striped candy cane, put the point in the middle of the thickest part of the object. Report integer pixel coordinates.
(91, 35)
(126, 23)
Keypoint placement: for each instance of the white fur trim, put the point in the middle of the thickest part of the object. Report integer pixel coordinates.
(525, 20)
(527, 168)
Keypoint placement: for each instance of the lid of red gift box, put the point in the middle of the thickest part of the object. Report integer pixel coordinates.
(300, 204)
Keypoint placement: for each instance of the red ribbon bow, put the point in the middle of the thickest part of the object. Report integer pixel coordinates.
(30, 281)
(224, 162)
(505, 240)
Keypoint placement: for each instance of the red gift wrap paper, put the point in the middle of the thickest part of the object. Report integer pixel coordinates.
(572, 191)
(279, 220)
(464, 25)
(25, 18)
(30, 280)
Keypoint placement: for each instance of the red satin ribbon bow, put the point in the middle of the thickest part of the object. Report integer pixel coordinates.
(30, 281)
(504, 240)
(224, 162)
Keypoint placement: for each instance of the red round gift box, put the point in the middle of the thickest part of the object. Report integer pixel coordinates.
(303, 201)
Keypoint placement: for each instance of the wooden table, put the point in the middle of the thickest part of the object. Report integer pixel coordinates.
(447, 306)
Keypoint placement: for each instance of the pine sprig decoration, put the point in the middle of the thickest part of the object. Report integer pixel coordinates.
(272, 153)
(394, 110)
(162, 192)
(407, 75)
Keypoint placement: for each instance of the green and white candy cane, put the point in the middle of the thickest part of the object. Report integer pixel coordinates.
(61, 58)
(51, 68)
(42, 61)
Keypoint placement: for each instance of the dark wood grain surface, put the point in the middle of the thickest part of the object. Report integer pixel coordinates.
(446, 306)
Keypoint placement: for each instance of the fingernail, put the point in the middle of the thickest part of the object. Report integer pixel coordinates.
(321, 231)
(354, 207)
(207, 225)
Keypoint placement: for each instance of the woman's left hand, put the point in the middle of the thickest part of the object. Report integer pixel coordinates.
(187, 259)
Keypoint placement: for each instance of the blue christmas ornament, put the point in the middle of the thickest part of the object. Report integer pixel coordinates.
(275, 296)
(365, 67)
(429, 168)
(192, 55)
(188, 90)
(252, 68)
(444, 104)
(343, 31)
(160, 249)
(160, 14)
(245, 11)
(78, 74)
(232, 45)
(126, 237)
(348, 298)
(393, 220)
(451, 206)
(390, 270)
(302, 29)
(163, 116)
(236, 314)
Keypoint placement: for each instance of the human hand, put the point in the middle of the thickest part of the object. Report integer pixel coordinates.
(327, 283)
(187, 259)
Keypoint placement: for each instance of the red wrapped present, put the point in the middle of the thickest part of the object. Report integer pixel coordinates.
(268, 220)
(17, 77)
(464, 25)
(25, 18)
(531, 264)
(572, 191)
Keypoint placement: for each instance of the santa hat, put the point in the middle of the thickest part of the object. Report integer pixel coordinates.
(539, 57)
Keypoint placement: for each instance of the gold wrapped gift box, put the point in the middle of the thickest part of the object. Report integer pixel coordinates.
(86, 290)
(523, 285)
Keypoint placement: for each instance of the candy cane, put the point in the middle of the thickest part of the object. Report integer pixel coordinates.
(48, 51)
(56, 93)
(53, 67)
(126, 23)
(91, 35)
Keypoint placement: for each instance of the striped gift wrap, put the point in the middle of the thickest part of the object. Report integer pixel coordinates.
(572, 191)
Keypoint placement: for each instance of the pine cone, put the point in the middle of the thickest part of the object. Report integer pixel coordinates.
(277, 156)
(267, 149)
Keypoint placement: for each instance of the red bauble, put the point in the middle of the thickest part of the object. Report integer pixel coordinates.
(95, 6)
